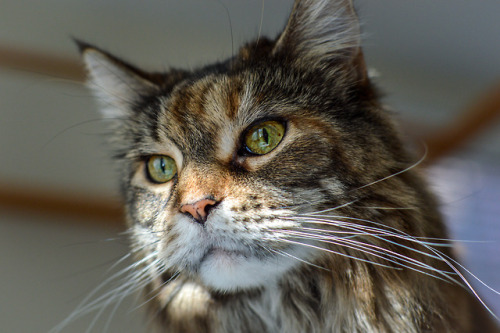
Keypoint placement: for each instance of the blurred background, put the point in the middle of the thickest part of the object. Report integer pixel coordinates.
(60, 229)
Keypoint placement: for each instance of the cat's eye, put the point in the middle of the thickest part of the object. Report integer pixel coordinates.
(264, 137)
(161, 168)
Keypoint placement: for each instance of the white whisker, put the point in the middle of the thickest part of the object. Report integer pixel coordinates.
(334, 208)
(424, 156)
(158, 290)
(386, 208)
(127, 280)
(369, 231)
(379, 252)
(335, 252)
(449, 261)
(382, 232)
(286, 254)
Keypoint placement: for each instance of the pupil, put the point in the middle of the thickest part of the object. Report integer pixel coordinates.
(162, 165)
(265, 136)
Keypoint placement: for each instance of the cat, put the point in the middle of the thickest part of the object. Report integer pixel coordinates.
(271, 192)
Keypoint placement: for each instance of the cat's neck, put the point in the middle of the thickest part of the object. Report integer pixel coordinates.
(297, 303)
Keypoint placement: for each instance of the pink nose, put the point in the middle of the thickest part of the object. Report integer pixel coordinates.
(199, 210)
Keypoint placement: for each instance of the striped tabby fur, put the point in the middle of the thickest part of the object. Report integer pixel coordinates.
(332, 231)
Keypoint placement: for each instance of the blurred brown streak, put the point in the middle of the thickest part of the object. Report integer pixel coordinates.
(476, 118)
(446, 140)
(102, 211)
(45, 64)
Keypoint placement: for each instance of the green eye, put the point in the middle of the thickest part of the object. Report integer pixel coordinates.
(161, 168)
(264, 137)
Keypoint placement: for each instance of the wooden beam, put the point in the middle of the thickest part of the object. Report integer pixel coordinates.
(41, 63)
(102, 211)
(473, 120)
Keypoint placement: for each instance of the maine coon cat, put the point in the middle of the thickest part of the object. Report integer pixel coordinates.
(271, 192)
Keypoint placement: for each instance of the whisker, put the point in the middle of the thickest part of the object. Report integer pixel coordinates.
(424, 156)
(370, 231)
(400, 236)
(260, 23)
(130, 284)
(375, 232)
(157, 290)
(381, 253)
(386, 208)
(230, 27)
(327, 232)
(395, 231)
(130, 275)
(71, 127)
(381, 234)
(286, 254)
(470, 273)
(115, 308)
(119, 261)
(117, 295)
(336, 252)
(334, 208)
(447, 260)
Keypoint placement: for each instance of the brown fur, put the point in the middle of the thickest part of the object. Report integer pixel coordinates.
(340, 154)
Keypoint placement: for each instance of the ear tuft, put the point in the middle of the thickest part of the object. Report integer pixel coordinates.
(116, 84)
(321, 30)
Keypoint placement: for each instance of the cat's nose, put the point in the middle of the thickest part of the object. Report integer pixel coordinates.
(200, 209)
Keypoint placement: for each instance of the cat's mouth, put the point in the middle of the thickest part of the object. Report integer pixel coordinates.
(238, 268)
(216, 252)
(228, 268)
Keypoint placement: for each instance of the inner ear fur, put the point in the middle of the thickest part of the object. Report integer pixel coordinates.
(322, 32)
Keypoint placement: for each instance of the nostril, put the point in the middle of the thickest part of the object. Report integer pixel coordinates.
(200, 209)
(209, 207)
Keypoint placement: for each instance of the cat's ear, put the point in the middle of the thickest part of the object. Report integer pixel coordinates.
(321, 31)
(118, 85)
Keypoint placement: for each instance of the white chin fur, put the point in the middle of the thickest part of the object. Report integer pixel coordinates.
(227, 271)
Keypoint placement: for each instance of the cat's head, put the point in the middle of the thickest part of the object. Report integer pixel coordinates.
(221, 166)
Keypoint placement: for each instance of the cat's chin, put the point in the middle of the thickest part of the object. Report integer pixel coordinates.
(225, 270)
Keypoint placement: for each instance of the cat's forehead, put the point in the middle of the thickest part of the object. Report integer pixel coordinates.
(212, 98)
(209, 114)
